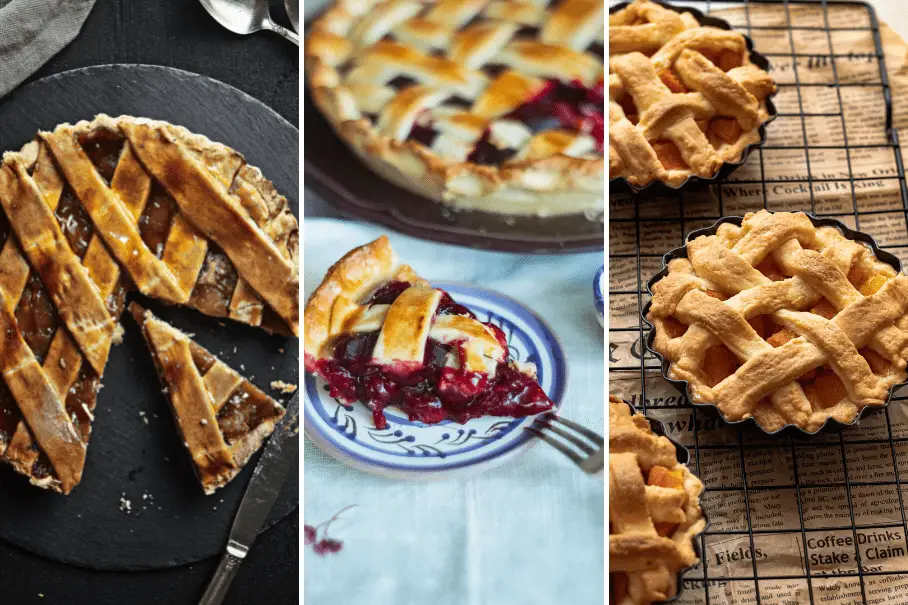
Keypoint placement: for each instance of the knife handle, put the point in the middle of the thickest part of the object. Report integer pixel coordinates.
(220, 581)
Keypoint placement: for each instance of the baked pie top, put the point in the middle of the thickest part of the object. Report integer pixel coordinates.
(654, 511)
(99, 208)
(222, 417)
(782, 321)
(379, 333)
(683, 98)
(473, 95)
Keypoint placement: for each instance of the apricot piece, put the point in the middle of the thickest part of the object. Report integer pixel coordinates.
(781, 337)
(669, 155)
(673, 327)
(825, 309)
(718, 364)
(872, 285)
(826, 391)
(856, 276)
(672, 81)
(726, 130)
(728, 60)
(665, 477)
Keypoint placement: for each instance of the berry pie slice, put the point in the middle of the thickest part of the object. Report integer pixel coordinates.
(223, 417)
(496, 106)
(378, 333)
(94, 210)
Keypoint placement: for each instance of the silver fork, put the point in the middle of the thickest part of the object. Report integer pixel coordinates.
(584, 447)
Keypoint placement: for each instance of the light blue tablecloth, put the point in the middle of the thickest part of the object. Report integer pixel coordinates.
(530, 532)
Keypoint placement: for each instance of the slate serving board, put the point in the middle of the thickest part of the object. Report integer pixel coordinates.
(135, 452)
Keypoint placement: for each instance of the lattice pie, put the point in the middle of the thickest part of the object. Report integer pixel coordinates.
(654, 511)
(94, 210)
(379, 333)
(492, 105)
(683, 99)
(782, 321)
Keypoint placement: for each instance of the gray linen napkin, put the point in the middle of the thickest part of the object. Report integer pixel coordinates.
(33, 31)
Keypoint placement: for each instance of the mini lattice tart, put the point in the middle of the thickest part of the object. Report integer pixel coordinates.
(684, 99)
(94, 210)
(782, 321)
(654, 511)
(490, 105)
(222, 417)
(380, 334)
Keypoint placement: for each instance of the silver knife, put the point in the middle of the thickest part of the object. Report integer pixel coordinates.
(267, 480)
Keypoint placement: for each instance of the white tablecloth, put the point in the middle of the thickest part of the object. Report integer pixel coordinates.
(526, 533)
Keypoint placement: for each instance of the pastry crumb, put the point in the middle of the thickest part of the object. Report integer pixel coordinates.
(125, 505)
(143, 416)
(116, 338)
(203, 422)
(283, 387)
(88, 412)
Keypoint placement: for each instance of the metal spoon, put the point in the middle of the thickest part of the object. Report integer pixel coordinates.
(246, 17)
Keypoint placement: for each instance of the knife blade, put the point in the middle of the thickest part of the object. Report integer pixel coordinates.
(265, 486)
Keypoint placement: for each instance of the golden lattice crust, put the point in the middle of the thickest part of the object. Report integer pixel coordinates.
(93, 210)
(645, 562)
(661, 63)
(358, 47)
(811, 366)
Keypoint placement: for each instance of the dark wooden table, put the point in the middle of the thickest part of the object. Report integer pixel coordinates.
(180, 34)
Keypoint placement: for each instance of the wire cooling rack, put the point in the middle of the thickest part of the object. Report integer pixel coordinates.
(829, 468)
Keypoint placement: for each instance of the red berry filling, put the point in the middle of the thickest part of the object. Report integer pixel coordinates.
(431, 392)
(558, 105)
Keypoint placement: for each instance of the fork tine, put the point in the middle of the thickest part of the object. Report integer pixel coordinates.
(579, 443)
(574, 456)
(595, 438)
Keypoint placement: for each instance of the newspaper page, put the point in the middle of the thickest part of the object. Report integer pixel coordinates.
(841, 483)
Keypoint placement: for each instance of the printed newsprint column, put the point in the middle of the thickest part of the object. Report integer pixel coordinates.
(818, 540)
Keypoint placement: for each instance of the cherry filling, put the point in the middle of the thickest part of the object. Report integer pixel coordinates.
(433, 391)
(558, 105)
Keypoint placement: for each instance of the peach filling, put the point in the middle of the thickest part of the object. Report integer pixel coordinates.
(720, 130)
(659, 476)
(663, 477)
(822, 386)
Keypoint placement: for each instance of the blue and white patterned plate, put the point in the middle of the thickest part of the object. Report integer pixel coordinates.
(414, 450)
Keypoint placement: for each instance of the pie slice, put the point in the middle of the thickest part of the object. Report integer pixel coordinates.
(380, 334)
(93, 210)
(223, 417)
